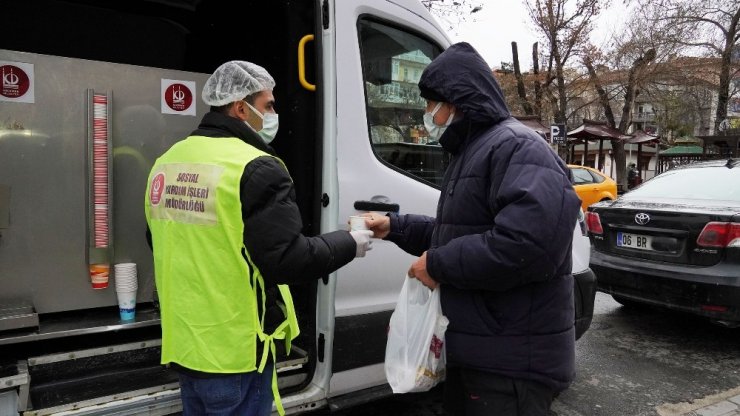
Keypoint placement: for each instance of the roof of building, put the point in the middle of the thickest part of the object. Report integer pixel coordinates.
(590, 130)
(534, 123)
(640, 136)
(682, 150)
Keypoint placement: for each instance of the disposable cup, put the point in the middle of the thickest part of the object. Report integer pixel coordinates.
(357, 222)
(126, 283)
(125, 267)
(126, 304)
(128, 269)
(99, 275)
(125, 276)
(126, 286)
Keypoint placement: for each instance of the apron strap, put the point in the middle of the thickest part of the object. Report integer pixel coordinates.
(269, 344)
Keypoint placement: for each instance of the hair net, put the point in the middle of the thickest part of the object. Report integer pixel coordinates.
(235, 80)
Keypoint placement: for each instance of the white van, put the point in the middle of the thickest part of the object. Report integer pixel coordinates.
(122, 79)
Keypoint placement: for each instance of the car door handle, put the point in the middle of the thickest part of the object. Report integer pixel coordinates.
(376, 206)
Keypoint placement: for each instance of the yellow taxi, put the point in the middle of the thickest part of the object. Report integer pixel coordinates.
(592, 186)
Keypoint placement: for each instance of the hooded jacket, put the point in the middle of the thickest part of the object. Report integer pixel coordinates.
(500, 245)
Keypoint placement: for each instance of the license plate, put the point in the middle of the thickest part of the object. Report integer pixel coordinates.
(638, 241)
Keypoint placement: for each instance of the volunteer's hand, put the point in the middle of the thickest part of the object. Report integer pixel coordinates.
(418, 270)
(379, 224)
(364, 243)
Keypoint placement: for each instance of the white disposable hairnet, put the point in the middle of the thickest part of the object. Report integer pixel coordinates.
(233, 81)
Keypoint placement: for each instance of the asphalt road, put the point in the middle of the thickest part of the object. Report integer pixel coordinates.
(631, 362)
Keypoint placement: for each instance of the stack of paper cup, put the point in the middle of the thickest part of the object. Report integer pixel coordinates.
(99, 275)
(101, 169)
(126, 286)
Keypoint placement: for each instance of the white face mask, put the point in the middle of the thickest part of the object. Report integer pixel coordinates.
(270, 124)
(435, 131)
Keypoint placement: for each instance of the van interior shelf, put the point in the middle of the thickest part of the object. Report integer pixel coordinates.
(88, 321)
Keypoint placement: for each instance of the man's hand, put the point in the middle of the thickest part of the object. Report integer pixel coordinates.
(379, 224)
(363, 241)
(418, 270)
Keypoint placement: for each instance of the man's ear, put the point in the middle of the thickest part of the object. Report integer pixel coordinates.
(242, 111)
(235, 110)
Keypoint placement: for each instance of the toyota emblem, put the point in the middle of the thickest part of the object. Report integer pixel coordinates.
(642, 218)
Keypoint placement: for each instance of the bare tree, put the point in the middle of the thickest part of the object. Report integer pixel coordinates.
(453, 12)
(604, 98)
(565, 26)
(631, 67)
(712, 26)
(537, 82)
(526, 106)
(515, 87)
(632, 90)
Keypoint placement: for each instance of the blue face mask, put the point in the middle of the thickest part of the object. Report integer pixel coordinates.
(435, 131)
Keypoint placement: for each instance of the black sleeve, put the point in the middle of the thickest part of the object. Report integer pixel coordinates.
(272, 229)
(149, 237)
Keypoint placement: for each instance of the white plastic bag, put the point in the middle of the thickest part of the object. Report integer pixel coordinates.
(415, 351)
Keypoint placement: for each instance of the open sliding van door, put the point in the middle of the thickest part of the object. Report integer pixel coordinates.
(96, 92)
(384, 162)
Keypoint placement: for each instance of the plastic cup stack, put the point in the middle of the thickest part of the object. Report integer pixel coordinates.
(101, 170)
(126, 287)
(99, 275)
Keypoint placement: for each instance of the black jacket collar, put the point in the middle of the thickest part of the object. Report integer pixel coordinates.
(216, 124)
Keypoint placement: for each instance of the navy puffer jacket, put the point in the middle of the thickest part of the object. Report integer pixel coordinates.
(500, 245)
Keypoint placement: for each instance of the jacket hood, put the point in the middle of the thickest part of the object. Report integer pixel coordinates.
(461, 77)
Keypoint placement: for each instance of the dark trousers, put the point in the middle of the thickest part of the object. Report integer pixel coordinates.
(469, 392)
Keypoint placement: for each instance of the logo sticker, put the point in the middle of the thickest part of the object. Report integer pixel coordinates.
(185, 193)
(155, 191)
(16, 82)
(177, 97)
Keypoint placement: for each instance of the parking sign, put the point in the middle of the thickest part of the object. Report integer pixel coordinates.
(557, 133)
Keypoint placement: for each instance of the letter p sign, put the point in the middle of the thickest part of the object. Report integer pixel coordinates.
(557, 133)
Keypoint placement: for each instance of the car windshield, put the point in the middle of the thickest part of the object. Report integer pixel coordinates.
(713, 183)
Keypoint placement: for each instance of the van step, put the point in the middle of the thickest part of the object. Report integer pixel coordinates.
(295, 360)
(70, 377)
(15, 315)
(96, 376)
(154, 401)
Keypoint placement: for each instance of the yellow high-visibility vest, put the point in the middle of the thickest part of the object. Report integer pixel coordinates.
(206, 281)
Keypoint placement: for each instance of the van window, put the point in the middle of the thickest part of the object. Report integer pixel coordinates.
(392, 63)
